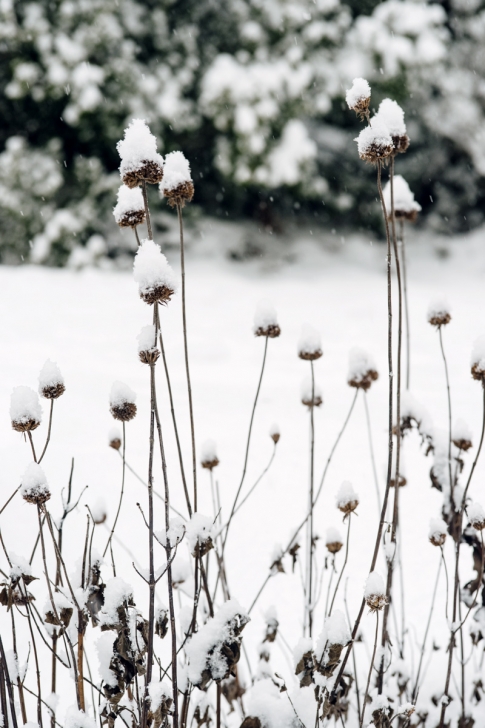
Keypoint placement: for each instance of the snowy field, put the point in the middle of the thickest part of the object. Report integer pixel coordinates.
(87, 322)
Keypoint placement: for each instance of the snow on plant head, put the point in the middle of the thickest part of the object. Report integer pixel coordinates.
(51, 381)
(25, 409)
(309, 388)
(438, 531)
(358, 97)
(335, 632)
(268, 705)
(405, 206)
(122, 402)
(309, 343)
(393, 117)
(177, 185)
(75, 718)
(266, 320)
(19, 566)
(374, 142)
(199, 532)
(140, 161)
(478, 360)
(208, 455)
(116, 594)
(34, 485)
(114, 438)
(461, 435)
(175, 533)
(99, 511)
(129, 211)
(213, 651)
(347, 499)
(155, 278)
(159, 693)
(275, 432)
(147, 345)
(439, 312)
(304, 647)
(333, 540)
(476, 516)
(180, 570)
(375, 591)
(362, 369)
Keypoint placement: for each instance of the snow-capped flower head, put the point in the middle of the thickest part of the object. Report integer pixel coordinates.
(311, 393)
(118, 594)
(34, 485)
(265, 320)
(375, 592)
(393, 117)
(140, 161)
(358, 97)
(362, 369)
(155, 278)
(439, 313)
(335, 632)
(275, 432)
(347, 499)
(438, 531)
(99, 511)
(271, 622)
(309, 344)
(114, 438)
(405, 206)
(199, 532)
(374, 142)
(160, 694)
(461, 435)
(177, 185)
(129, 211)
(476, 516)
(478, 360)
(208, 455)
(51, 381)
(147, 345)
(122, 402)
(333, 540)
(25, 409)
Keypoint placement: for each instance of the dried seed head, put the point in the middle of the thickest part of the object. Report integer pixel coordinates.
(271, 625)
(265, 321)
(392, 115)
(130, 208)
(311, 394)
(374, 142)
(478, 360)
(208, 458)
(177, 185)
(439, 313)
(155, 278)
(114, 438)
(122, 402)
(34, 487)
(375, 592)
(274, 433)
(140, 161)
(51, 381)
(347, 499)
(277, 560)
(333, 541)
(309, 345)
(147, 345)
(358, 97)
(438, 530)
(405, 206)
(362, 369)
(99, 511)
(25, 409)
(462, 436)
(402, 481)
(476, 516)
(199, 533)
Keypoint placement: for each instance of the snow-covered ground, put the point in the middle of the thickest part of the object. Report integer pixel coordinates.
(88, 322)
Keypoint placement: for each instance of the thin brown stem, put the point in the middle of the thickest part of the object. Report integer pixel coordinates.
(370, 670)
(406, 305)
(147, 210)
(343, 565)
(11, 698)
(448, 393)
(309, 583)
(31, 440)
(48, 431)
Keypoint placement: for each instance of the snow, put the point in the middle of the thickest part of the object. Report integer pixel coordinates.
(75, 718)
(461, 432)
(346, 495)
(176, 532)
(310, 341)
(158, 692)
(335, 632)
(198, 531)
(476, 515)
(478, 354)
(360, 364)
(129, 201)
(25, 405)
(147, 339)
(265, 316)
(114, 434)
(208, 451)
(404, 201)
(204, 649)
(392, 115)
(138, 146)
(358, 92)
(19, 566)
(438, 308)
(302, 647)
(99, 511)
(437, 529)
(116, 593)
(275, 431)
(50, 375)
(121, 394)
(374, 585)
(34, 482)
(333, 536)
(151, 268)
(375, 135)
(176, 171)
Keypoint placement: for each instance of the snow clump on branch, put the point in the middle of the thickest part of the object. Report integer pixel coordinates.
(358, 97)
(122, 402)
(374, 142)
(266, 321)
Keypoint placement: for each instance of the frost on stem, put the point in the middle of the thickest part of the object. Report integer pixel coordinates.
(374, 142)
(140, 161)
(309, 344)
(34, 485)
(478, 360)
(393, 117)
(214, 650)
(266, 321)
(122, 402)
(476, 516)
(405, 206)
(311, 393)
(177, 185)
(130, 208)
(347, 499)
(438, 531)
(147, 345)
(51, 381)
(208, 455)
(375, 592)
(25, 409)
(461, 435)
(333, 540)
(358, 97)
(362, 369)
(275, 432)
(439, 313)
(114, 438)
(155, 277)
(199, 532)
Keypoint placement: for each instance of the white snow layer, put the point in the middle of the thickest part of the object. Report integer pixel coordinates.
(359, 91)
(376, 134)
(50, 375)
(306, 390)
(104, 648)
(19, 565)
(198, 530)
(75, 718)
(208, 451)
(176, 171)
(478, 353)
(147, 338)
(275, 429)
(151, 269)
(403, 197)
(310, 341)
(121, 394)
(129, 200)
(360, 363)
(346, 494)
(437, 528)
(114, 434)
(158, 691)
(333, 536)
(25, 405)
(335, 632)
(476, 513)
(393, 117)
(438, 307)
(374, 586)
(99, 510)
(139, 145)
(461, 431)
(264, 316)
(117, 591)
(34, 481)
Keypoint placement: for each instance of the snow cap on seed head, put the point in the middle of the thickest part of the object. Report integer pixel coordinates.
(309, 344)
(25, 409)
(306, 393)
(374, 141)
(275, 432)
(476, 516)
(461, 435)
(147, 345)
(51, 381)
(347, 499)
(140, 160)
(333, 540)
(266, 320)
(439, 312)
(358, 97)
(122, 402)
(375, 592)
(177, 185)
(130, 208)
(152, 272)
(362, 369)
(438, 531)
(114, 438)
(405, 206)
(478, 360)
(34, 485)
(393, 117)
(208, 455)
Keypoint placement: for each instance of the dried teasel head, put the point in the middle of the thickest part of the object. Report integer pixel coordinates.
(476, 516)
(152, 272)
(177, 186)
(309, 345)
(275, 433)
(51, 381)
(311, 394)
(34, 487)
(375, 592)
(147, 345)
(122, 402)
(266, 321)
(478, 360)
(358, 97)
(140, 161)
(99, 512)
(130, 208)
(374, 142)
(333, 541)
(438, 530)
(114, 438)
(439, 313)
(405, 206)
(392, 115)
(208, 458)
(25, 409)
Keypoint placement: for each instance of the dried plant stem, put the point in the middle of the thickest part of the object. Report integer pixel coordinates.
(349, 517)
(309, 567)
(218, 708)
(121, 493)
(11, 699)
(448, 393)
(416, 687)
(48, 431)
(406, 305)
(20, 686)
(32, 446)
(354, 659)
(147, 210)
(11, 498)
(371, 667)
(372, 456)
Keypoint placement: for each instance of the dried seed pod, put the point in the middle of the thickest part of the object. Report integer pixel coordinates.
(402, 481)
(155, 278)
(392, 115)
(362, 369)
(438, 530)
(311, 394)
(114, 438)
(147, 345)
(275, 433)
(25, 409)
(140, 161)
(347, 499)
(375, 592)
(333, 541)
(476, 516)
(177, 185)
(209, 459)
(130, 208)
(265, 321)
(51, 381)
(309, 345)
(374, 142)
(99, 511)
(439, 313)
(34, 488)
(122, 402)
(462, 436)
(358, 97)
(478, 360)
